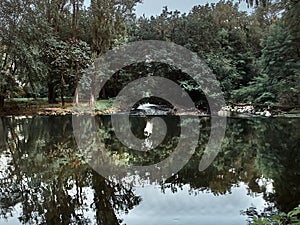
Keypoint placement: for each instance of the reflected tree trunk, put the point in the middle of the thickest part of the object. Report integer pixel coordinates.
(2, 133)
(105, 214)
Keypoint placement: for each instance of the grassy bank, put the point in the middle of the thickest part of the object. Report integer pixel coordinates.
(40, 106)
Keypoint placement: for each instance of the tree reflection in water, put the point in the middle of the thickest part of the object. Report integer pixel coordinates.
(42, 170)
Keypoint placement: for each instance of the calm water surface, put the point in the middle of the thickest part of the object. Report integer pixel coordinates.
(44, 178)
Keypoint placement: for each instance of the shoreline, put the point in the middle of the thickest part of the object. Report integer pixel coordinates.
(105, 107)
(59, 111)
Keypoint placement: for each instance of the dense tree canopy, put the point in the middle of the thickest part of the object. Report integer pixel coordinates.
(46, 45)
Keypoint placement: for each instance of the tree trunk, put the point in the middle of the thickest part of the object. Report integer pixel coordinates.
(2, 101)
(92, 96)
(62, 91)
(62, 97)
(76, 94)
(75, 5)
(103, 96)
(92, 100)
(51, 93)
(76, 97)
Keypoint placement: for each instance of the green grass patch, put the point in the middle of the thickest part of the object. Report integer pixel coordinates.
(102, 105)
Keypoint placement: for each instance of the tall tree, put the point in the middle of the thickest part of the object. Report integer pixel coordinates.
(23, 31)
(108, 22)
(108, 25)
(67, 62)
(76, 5)
(219, 33)
(279, 78)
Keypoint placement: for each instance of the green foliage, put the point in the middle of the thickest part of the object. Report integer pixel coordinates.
(292, 21)
(41, 41)
(291, 218)
(67, 61)
(218, 33)
(23, 31)
(68, 57)
(279, 79)
(50, 43)
(107, 23)
(104, 105)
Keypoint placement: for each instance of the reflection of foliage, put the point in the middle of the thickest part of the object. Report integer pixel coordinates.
(275, 218)
(235, 162)
(278, 159)
(125, 155)
(254, 150)
(46, 175)
(111, 195)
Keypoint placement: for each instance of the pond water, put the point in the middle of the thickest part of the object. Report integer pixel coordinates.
(44, 178)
